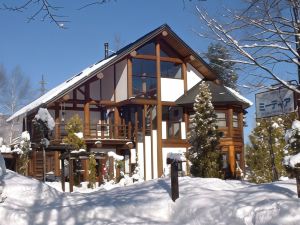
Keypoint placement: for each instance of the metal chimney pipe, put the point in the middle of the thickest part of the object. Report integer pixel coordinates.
(105, 50)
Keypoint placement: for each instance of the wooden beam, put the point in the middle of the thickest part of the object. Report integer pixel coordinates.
(159, 113)
(153, 57)
(184, 76)
(230, 122)
(116, 122)
(62, 174)
(129, 78)
(231, 157)
(57, 121)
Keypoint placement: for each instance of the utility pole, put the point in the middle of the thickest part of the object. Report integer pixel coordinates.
(42, 88)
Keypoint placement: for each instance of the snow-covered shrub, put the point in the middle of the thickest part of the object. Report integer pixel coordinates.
(24, 150)
(267, 136)
(292, 149)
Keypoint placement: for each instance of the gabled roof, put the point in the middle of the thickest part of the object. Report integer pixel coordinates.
(72, 83)
(221, 95)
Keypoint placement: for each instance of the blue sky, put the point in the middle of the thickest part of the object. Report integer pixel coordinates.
(42, 48)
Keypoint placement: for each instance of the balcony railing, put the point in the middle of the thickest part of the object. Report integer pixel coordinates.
(91, 131)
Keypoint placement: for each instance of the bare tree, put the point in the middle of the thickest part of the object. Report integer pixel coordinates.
(16, 92)
(265, 34)
(37, 9)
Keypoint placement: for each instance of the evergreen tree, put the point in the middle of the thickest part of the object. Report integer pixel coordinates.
(219, 60)
(267, 136)
(204, 137)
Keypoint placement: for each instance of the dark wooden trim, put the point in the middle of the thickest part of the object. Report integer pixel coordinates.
(159, 114)
(184, 76)
(230, 124)
(57, 121)
(144, 138)
(129, 77)
(115, 85)
(153, 57)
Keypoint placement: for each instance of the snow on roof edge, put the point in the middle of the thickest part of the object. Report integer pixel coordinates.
(54, 92)
(239, 96)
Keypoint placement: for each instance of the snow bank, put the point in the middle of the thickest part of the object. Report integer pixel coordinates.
(201, 201)
(45, 116)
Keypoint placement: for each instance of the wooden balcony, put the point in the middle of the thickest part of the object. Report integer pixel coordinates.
(91, 132)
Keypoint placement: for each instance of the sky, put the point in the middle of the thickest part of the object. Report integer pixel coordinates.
(41, 48)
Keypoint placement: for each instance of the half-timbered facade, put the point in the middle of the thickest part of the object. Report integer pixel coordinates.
(137, 103)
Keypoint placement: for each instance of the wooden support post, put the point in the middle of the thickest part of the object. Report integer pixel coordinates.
(174, 179)
(297, 174)
(129, 78)
(184, 76)
(85, 169)
(159, 114)
(71, 174)
(62, 174)
(111, 168)
(100, 175)
(56, 163)
(231, 156)
(57, 122)
(230, 122)
(116, 123)
(87, 119)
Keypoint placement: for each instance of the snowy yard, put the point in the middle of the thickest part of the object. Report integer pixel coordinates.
(202, 201)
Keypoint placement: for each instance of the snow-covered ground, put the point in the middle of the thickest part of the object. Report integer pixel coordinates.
(202, 201)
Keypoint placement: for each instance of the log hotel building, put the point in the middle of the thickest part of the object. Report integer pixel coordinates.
(142, 95)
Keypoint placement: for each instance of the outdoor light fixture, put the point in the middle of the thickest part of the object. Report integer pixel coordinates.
(164, 33)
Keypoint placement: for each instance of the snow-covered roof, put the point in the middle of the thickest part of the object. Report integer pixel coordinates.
(239, 96)
(76, 80)
(61, 89)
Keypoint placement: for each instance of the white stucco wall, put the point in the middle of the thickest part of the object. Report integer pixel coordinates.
(141, 158)
(193, 76)
(164, 130)
(95, 90)
(154, 147)
(107, 84)
(148, 156)
(121, 81)
(183, 130)
(171, 89)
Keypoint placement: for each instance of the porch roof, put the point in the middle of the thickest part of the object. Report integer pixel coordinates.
(221, 95)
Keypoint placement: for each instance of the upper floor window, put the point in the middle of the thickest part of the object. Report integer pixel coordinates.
(173, 117)
(235, 122)
(147, 49)
(144, 78)
(170, 70)
(221, 119)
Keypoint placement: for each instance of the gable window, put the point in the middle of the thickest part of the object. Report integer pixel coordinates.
(147, 49)
(144, 78)
(170, 70)
(235, 122)
(221, 119)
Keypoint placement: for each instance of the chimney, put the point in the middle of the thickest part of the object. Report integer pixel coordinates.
(105, 50)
